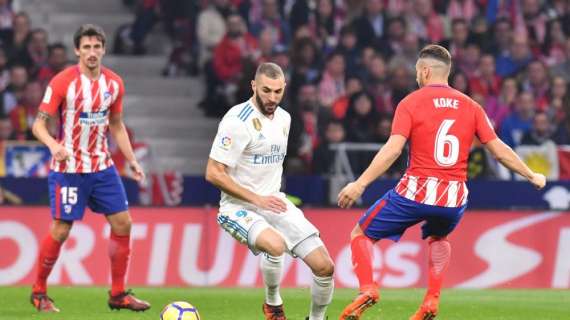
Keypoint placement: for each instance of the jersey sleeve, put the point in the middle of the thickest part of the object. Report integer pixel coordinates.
(230, 142)
(483, 127)
(402, 123)
(53, 96)
(117, 106)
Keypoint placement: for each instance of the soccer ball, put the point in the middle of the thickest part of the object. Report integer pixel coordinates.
(179, 310)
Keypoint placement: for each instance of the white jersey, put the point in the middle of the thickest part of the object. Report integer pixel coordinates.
(253, 147)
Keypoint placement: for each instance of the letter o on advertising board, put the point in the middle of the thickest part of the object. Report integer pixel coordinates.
(27, 251)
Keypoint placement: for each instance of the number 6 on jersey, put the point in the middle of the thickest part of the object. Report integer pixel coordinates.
(441, 140)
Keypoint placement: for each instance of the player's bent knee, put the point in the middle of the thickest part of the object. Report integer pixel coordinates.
(325, 268)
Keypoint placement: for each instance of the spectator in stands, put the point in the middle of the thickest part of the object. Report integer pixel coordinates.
(305, 63)
(516, 59)
(57, 61)
(485, 81)
(462, 9)
(553, 47)
(458, 41)
(325, 24)
(534, 21)
(4, 71)
(426, 22)
(559, 97)
(470, 60)
(236, 48)
(498, 108)
(519, 121)
(409, 54)
(307, 119)
(348, 47)
(324, 158)
(332, 85)
(393, 40)
(22, 28)
(502, 37)
(401, 82)
(271, 20)
(267, 40)
(211, 28)
(340, 106)
(370, 25)
(6, 22)
(24, 114)
(6, 130)
(376, 70)
(563, 68)
(35, 54)
(361, 118)
(13, 93)
(460, 81)
(537, 82)
(540, 132)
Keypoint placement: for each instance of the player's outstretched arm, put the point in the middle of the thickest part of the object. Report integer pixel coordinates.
(217, 175)
(121, 137)
(381, 162)
(41, 132)
(507, 157)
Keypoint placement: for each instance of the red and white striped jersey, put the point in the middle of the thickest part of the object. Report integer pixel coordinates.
(440, 124)
(84, 107)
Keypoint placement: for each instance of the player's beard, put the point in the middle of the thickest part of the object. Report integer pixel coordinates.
(265, 108)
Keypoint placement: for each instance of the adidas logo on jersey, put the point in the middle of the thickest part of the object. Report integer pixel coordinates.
(261, 137)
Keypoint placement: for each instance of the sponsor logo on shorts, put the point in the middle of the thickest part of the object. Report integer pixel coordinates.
(67, 208)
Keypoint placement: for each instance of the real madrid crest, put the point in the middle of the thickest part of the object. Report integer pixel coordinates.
(256, 124)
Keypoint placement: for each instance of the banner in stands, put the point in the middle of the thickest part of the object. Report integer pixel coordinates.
(185, 247)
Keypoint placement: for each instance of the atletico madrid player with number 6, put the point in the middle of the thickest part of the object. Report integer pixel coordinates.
(440, 124)
(88, 99)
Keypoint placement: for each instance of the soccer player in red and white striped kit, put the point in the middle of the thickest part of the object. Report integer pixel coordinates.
(88, 100)
(440, 124)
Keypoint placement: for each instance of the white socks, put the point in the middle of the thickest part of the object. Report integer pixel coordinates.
(321, 296)
(272, 270)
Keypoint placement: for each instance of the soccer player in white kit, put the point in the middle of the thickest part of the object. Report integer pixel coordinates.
(246, 164)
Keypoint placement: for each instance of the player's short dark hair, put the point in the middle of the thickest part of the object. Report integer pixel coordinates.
(270, 70)
(436, 52)
(89, 30)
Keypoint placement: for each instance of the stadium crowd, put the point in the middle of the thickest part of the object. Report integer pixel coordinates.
(349, 63)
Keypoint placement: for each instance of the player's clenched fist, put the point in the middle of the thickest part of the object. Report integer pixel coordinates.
(349, 194)
(271, 203)
(538, 180)
(59, 153)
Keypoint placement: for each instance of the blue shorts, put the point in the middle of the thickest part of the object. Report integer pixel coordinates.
(70, 193)
(392, 214)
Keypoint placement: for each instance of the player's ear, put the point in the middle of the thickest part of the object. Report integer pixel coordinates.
(253, 85)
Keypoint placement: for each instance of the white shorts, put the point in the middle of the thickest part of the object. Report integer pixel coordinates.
(245, 224)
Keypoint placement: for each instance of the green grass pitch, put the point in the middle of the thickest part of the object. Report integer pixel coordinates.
(245, 304)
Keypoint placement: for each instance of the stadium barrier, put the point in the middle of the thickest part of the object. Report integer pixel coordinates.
(185, 247)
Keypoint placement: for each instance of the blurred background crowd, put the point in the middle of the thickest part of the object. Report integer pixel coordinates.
(348, 64)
